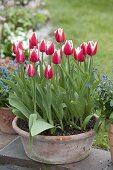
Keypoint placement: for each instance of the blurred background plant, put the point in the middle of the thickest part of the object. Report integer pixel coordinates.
(18, 22)
(105, 101)
(7, 68)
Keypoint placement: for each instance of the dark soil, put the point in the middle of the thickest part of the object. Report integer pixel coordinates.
(68, 129)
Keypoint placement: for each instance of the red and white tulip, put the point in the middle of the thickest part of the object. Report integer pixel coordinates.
(48, 73)
(33, 40)
(78, 54)
(34, 55)
(31, 70)
(50, 48)
(91, 48)
(68, 47)
(59, 35)
(20, 57)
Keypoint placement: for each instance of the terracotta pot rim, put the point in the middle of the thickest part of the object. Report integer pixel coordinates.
(52, 138)
(5, 108)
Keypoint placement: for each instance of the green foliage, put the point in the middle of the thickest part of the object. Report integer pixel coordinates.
(4, 90)
(68, 98)
(17, 23)
(104, 102)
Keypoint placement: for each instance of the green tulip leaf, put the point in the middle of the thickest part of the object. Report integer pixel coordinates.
(38, 125)
(86, 121)
(18, 104)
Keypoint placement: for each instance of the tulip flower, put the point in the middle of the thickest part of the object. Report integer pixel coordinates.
(42, 46)
(56, 58)
(34, 55)
(91, 48)
(84, 47)
(20, 57)
(33, 41)
(59, 35)
(68, 47)
(78, 54)
(49, 48)
(48, 73)
(16, 45)
(31, 71)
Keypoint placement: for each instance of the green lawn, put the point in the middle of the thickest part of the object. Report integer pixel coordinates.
(85, 20)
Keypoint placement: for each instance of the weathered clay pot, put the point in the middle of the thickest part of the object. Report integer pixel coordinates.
(6, 118)
(110, 135)
(56, 149)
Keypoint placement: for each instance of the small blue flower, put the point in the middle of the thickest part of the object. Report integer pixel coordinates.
(98, 64)
(104, 77)
(1, 83)
(94, 78)
(6, 77)
(4, 70)
(107, 93)
(1, 68)
(12, 62)
(110, 87)
(99, 86)
(4, 86)
(88, 85)
(26, 62)
(94, 70)
(103, 83)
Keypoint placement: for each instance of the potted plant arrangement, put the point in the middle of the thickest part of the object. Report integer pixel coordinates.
(6, 116)
(104, 104)
(53, 99)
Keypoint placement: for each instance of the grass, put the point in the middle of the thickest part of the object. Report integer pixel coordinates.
(85, 20)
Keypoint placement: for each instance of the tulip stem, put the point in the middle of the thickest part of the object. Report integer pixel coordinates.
(42, 58)
(35, 94)
(90, 63)
(60, 49)
(56, 73)
(41, 66)
(49, 107)
(68, 63)
(19, 72)
(85, 67)
(50, 60)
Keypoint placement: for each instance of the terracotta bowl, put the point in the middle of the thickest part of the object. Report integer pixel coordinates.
(56, 149)
(6, 118)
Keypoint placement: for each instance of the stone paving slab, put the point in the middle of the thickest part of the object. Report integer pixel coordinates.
(5, 139)
(14, 155)
(14, 167)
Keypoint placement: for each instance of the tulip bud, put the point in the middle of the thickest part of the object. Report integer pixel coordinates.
(56, 58)
(33, 41)
(91, 48)
(20, 57)
(59, 35)
(49, 48)
(78, 54)
(31, 71)
(68, 47)
(34, 55)
(84, 47)
(16, 45)
(48, 73)
(42, 46)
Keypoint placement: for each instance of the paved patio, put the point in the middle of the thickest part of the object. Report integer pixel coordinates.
(13, 157)
(5, 139)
